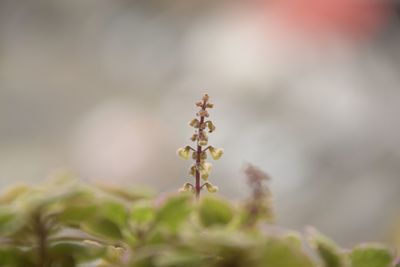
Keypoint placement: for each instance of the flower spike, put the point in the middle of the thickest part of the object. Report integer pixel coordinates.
(201, 169)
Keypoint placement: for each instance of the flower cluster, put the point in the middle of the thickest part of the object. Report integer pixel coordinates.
(200, 169)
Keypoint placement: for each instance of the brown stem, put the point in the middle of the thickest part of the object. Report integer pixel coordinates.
(41, 234)
(198, 160)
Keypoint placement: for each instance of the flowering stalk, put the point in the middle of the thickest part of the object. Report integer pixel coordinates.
(200, 169)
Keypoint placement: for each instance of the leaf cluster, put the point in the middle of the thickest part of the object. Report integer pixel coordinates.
(72, 224)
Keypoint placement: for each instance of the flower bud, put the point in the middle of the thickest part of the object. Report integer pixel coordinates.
(184, 153)
(194, 123)
(205, 170)
(187, 187)
(211, 188)
(203, 155)
(211, 126)
(216, 153)
(206, 98)
(209, 105)
(203, 113)
(192, 170)
(203, 136)
(203, 142)
(194, 137)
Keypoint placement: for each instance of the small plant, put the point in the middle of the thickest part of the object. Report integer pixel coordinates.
(200, 169)
(71, 224)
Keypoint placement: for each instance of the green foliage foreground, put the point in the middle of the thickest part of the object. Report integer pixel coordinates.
(71, 224)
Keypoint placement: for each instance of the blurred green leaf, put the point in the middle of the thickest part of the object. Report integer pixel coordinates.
(10, 222)
(371, 256)
(14, 257)
(281, 253)
(127, 194)
(115, 212)
(102, 227)
(179, 258)
(80, 251)
(12, 193)
(76, 214)
(174, 212)
(214, 211)
(142, 213)
(328, 251)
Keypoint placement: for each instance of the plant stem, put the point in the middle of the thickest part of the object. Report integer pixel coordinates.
(41, 234)
(198, 160)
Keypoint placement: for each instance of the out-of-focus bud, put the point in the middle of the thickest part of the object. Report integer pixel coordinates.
(192, 170)
(203, 136)
(205, 170)
(206, 97)
(203, 142)
(211, 188)
(209, 105)
(203, 155)
(194, 123)
(211, 126)
(216, 153)
(203, 113)
(194, 137)
(187, 187)
(184, 153)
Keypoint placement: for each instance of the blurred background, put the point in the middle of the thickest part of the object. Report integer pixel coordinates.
(308, 90)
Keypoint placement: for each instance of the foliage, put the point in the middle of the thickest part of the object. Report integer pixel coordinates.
(72, 224)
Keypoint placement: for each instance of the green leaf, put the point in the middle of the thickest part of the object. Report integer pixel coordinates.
(77, 214)
(102, 227)
(115, 212)
(12, 193)
(371, 256)
(281, 253)
(214, 211)
(182, 258)
(328, 251)
(124, 193)
(80, 251)
(10, 222)
(13, 257)
(174, 212)
(142, 213)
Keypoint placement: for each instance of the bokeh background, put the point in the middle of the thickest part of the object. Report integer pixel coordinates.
(308, 90)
